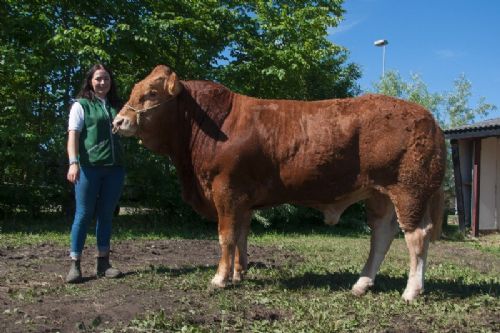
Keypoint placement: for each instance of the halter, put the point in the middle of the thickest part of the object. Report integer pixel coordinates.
(140, 111)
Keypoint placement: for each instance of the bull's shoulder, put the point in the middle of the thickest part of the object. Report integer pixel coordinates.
(210, 96)
(203, 87)
(207, 100)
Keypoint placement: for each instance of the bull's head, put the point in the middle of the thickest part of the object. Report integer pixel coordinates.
(148, 97)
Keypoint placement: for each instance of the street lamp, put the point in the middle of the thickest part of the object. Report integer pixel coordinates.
(382, 43)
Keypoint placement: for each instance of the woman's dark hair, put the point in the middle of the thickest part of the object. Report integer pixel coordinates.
(88, 92)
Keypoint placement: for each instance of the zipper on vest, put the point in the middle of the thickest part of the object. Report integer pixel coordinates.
(110, 132)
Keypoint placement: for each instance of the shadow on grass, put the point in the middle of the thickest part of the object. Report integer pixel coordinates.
(345, 280)
(173, 272)
(334, 281)
(338, 281)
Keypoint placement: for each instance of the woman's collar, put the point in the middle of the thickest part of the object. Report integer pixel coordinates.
(103, 100)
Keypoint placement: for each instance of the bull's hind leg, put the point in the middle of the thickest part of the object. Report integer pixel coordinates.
(417, 242)
(382, 220)
(414, 218)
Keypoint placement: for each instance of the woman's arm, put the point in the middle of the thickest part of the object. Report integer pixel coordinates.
(74, 168)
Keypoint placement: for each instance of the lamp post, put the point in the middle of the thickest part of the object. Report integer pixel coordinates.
(382, 43)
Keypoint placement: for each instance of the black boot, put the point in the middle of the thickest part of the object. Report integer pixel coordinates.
(103, 268)
(75, 272)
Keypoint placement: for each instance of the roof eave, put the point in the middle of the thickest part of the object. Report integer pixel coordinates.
(471, 134)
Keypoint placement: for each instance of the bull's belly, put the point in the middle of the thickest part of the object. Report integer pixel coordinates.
(325, 195)
(313, 193)
(320, 186)
(331, 206)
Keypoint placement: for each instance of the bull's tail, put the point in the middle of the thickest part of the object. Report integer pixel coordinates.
(436, 207)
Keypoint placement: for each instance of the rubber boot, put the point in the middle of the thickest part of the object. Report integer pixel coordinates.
(103, 268)
(75, 272)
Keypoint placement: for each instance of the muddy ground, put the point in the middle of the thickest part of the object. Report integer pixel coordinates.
(34, 297)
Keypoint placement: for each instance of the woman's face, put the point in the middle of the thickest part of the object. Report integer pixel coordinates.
(101, 83)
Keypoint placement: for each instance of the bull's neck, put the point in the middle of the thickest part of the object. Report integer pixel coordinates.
(180, 134)
(187, 135)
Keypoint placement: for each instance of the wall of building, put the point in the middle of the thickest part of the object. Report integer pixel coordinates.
(489, 198)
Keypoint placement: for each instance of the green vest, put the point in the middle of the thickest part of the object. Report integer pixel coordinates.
(98, 145)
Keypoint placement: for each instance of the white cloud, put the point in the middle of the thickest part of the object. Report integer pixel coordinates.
(343, 27)
(446, 54)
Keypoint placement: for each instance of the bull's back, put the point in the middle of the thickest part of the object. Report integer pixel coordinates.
(315, 151)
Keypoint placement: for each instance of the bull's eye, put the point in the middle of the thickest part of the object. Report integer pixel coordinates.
(153, 93)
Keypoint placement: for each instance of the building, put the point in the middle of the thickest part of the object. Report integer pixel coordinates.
(476, 166)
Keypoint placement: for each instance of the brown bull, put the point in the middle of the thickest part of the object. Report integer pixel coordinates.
(235, 153)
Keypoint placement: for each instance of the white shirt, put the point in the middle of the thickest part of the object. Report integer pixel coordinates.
(76, 116)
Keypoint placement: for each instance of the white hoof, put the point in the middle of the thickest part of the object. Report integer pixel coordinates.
(362, 286)
(237, 277)
(218, 282)
(410, 295)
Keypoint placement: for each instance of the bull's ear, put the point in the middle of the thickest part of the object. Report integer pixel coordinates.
(173, 85)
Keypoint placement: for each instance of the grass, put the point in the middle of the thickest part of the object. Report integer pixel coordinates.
(307, 295)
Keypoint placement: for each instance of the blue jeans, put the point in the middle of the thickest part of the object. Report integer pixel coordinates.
(97, 191)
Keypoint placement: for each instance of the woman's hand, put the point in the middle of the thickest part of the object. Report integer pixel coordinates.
(73, 173)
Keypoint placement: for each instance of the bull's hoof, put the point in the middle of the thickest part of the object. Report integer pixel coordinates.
(218, 282)
(238, 277)
(361, 286)
(410, 295)
(358, 291)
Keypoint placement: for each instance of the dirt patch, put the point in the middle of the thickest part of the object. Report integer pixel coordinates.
(464, 256)
(34, 297)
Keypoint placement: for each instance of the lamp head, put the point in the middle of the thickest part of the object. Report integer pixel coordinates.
(381, 42)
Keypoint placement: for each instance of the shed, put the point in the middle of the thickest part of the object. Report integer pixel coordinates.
(476, 165)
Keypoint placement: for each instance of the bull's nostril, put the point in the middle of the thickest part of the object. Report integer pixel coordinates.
(116, 124)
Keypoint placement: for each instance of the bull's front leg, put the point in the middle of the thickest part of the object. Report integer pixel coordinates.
(382, 220)
(233, 232)
(234, 218)
(240, 258)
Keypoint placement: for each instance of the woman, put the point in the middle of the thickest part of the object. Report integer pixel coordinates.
(95, 167)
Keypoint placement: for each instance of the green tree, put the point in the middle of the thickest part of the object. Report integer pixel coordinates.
(457, 104)
(451, 109)
(45, 47)
(264, 48)
(280, 50)
(29, 122)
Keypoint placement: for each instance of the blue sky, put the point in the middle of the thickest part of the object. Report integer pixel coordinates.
(437, 39)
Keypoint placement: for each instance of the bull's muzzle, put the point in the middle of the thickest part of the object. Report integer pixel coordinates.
(123, 126)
